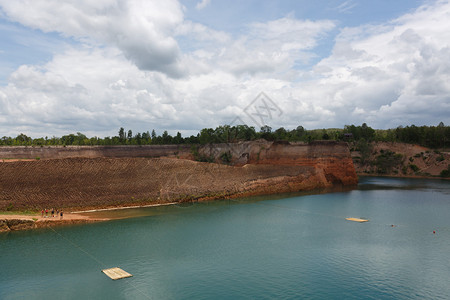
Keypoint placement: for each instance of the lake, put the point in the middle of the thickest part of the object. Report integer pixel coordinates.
(274, 247)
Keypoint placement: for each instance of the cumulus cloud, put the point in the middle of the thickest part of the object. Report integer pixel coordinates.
(397, 73)
(126, 71)
(273, 47)
(268, 48)
(143, 30)
(90, 90)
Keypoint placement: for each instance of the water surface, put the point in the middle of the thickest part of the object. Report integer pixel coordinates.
(289, 247)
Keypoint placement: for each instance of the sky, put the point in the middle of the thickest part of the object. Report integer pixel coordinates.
(95, 66)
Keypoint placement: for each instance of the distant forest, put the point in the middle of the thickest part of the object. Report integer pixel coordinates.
(428, 136)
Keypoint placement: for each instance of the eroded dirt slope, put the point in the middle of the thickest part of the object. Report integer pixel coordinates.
(98, 182)
(256, 168)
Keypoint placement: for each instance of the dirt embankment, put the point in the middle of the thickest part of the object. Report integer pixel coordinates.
(25, 222)
(328, 156)
(400, 159)
(73, 183)
(11, 153)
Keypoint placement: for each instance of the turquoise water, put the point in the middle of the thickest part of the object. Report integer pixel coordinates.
(290, 247)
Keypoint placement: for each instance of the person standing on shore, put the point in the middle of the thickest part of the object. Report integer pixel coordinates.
(46, 212)
(61, 215)
(42, 213)
(53, 212)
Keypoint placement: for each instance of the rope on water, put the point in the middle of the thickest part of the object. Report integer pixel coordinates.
(103, 265)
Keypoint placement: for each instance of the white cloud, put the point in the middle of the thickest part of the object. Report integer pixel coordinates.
(90, 90)
(268, 48)
(202, 4)
(289, 29)
(397, 73)
(386, 75)
(143, 30)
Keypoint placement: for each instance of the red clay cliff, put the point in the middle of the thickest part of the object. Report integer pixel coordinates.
(93, 177)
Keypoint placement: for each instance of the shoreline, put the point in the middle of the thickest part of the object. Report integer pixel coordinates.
(123, 207)
(401, 176)
(18, 220)
(21, 221)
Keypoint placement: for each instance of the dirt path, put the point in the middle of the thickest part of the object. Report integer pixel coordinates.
(14, 222)
(39, 218)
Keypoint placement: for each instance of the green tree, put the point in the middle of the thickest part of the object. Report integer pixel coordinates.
(24, 140)
(178, 139)
(206, 136)
(166, 138)
(138, 138)
(280, 134)
(122, 135)
(266, 133)
(146, 138)
(367, 132)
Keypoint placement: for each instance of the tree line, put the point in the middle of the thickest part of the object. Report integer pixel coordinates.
(428, 136)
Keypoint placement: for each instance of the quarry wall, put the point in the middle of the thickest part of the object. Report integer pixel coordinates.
(93, 177)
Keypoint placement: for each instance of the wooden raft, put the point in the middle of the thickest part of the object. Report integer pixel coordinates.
(357, 220)
(116, 273)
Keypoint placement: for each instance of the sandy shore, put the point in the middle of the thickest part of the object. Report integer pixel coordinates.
(14, 222)
(123, 207)
(38, 218)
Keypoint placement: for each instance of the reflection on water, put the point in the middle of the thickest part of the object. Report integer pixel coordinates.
(295, 246)
(386, 183)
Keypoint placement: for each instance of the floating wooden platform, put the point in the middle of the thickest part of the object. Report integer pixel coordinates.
(116, 273)
(357, 220)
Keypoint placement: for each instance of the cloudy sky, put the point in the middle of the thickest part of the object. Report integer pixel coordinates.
(94, 66)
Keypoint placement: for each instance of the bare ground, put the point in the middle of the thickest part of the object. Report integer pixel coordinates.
(114, 182)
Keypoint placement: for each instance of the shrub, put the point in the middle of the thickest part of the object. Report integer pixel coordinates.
(446, 173)
(414, 167)
(225, 157)
(200, 157)
(404, 170)
(387, 161)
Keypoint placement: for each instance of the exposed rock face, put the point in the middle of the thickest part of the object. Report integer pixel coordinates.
(16, 224)
(259, 168)
(4, 226)
(329, 156)
(26, 224)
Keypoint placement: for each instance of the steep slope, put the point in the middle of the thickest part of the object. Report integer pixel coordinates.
(103, 182)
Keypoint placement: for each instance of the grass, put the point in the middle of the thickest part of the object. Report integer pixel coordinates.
(25, 212)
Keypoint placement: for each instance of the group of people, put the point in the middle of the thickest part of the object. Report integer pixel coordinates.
(52, 213)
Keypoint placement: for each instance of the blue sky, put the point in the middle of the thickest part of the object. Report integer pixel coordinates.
(71, 66)
(232, 15)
